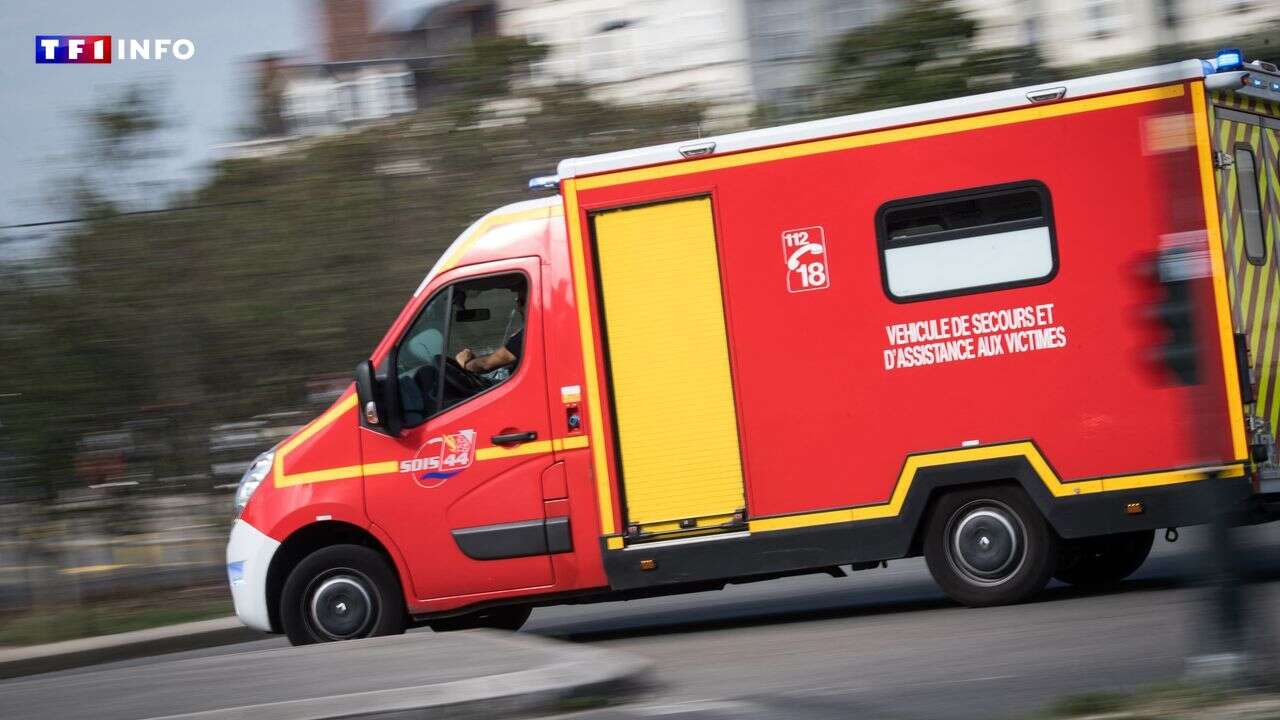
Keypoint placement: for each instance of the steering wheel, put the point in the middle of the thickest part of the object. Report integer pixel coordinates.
(459, 381)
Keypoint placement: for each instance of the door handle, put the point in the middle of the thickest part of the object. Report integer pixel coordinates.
(514, 438)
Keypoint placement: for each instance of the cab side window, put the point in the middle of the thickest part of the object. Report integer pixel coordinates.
(468, 339)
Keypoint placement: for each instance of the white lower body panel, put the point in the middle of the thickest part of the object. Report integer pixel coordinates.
(249, 553)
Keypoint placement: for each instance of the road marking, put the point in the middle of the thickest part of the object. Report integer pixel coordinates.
(970, 680)
(700, 706)
(90, 569)
(841, 690)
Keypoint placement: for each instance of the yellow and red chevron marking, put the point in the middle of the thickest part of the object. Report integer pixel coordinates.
(1255, 289)
(1247, 104)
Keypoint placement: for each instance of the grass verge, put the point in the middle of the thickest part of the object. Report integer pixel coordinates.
(1172, 701)
(46, 625)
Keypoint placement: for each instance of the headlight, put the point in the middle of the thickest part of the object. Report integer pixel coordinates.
(252, 478)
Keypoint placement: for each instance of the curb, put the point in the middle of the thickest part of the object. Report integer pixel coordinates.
(576, 673)
(35, 659)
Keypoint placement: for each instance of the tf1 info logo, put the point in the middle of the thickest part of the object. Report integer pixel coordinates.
(97, 49)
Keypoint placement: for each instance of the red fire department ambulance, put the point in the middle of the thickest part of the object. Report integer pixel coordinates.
(918, 331)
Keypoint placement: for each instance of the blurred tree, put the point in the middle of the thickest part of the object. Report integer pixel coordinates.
(926, 52)
(123, 130)
(54, 382)
(290, 268)
(123, 270)
(490, 67)
(125, 135)
(922, 53)
(1262, 43)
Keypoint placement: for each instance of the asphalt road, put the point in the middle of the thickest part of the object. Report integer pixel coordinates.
(886, 643)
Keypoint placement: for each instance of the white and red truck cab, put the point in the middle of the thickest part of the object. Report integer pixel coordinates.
(919, 331)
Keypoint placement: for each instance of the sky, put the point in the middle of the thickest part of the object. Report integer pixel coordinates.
(206, 97)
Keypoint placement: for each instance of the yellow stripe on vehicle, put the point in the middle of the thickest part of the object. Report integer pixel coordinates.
(1057, 487)
(1267, 332)
(1271, 199)
(1260, 273)
(1169, 477)
(570, 443)
(599, 463)
(460, 247)
(1217, 264)
(384, 467)
(320, 423)
(914, 132)
(315, 476)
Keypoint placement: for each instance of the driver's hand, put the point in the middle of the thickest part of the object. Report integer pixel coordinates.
(465, 356)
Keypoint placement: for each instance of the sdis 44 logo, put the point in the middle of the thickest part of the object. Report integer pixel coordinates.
(442, 457)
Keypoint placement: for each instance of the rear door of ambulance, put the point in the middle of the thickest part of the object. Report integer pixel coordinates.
(1246, 143)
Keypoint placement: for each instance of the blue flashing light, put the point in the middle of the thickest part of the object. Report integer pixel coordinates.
(1230, 59)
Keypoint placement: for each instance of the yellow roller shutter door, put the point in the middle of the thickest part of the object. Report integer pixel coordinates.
(668, 360)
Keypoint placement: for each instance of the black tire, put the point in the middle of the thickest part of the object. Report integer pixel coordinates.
(341, 592)
(989, 546)
(499, 618)
(1104, 560)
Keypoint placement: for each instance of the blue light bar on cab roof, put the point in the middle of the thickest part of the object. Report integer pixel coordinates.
(1229, 59)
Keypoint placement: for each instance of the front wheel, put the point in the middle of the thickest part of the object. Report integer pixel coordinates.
(341, 592)
(1104, 560)
(989, 546)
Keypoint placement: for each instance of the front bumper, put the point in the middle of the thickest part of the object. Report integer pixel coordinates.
(249, 553)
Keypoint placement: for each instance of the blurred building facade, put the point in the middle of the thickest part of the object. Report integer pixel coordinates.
(789, 41)
(367, 71)
(1071, 32)
(730, 54)
(735, 54)
(638, 50)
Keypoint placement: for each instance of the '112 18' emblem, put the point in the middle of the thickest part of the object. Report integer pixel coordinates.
(805, 252)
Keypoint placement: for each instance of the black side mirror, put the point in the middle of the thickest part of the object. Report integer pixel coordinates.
(387, 381)
(371, 410)
(378, 394)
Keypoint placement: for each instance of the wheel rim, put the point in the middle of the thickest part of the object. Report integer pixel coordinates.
(986, 542)
(341, 606)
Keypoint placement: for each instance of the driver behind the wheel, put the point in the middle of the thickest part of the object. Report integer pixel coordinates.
(505, 357)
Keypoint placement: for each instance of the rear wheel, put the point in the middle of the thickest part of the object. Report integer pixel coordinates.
(499, 618)
(1104, 560)
(989, 546)
(341, 592)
